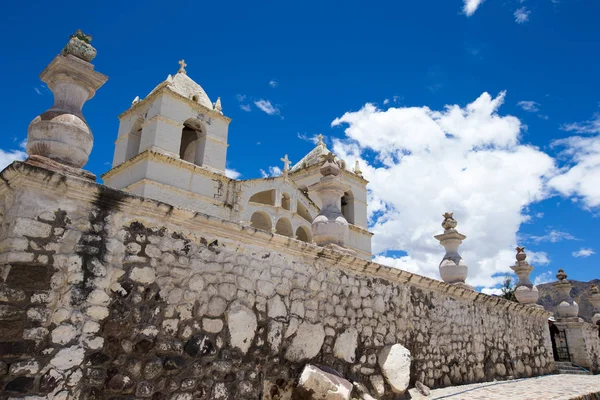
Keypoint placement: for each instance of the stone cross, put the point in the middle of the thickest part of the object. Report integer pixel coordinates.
(286, 163)
(182, 66)
(320, 137)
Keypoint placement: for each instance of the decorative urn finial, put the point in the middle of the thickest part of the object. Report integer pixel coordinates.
(61, 134)
(525, 292)
(594, 299)
(218, 107)
(330, 226)
(567, 308)
(453, 268)
(357, 169)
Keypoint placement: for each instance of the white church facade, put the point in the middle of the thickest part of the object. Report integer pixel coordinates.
(172, 147)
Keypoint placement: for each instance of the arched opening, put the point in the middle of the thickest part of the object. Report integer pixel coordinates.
(266, 197)
(193, 142)
(303, 211)
(303, 234)
(260, 220)
(286, 202)
(133, 141)
(348, 207)
(284, 227)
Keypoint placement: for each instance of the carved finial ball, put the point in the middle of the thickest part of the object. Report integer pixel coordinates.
(521, 256)
(449, 221)
(561, 276)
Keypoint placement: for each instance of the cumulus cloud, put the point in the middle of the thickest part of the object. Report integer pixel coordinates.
(232, 173)
(552, 236)
(522, 15)
(589, 126)
(470, 6)
(267, 107)
(273, 83)
(270, 172)
(422, 162)
(544, 277)
(8, 156)
(583, 253)
(241, 98)
(580, 177)
(529, 105)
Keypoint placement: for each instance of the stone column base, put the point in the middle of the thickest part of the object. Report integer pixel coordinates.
(45, 162)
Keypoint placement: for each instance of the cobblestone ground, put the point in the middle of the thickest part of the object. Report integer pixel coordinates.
(549, 387)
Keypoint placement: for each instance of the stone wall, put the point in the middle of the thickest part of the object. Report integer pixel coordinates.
(107, 295)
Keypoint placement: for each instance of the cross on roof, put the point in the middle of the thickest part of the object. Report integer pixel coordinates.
(320, 137)
(286, 163)
(182, 66)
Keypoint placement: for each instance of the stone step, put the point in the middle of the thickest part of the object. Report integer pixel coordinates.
(578, 372)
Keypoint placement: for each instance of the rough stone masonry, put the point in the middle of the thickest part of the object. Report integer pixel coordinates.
(105, 295)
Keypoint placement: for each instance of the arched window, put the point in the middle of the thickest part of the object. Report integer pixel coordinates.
(348, 207)
(133, 140)
(284, 227)
(193, 142)
(303, 211)
(303, 234)
(266, 197)
(286, 202)
(261, 220)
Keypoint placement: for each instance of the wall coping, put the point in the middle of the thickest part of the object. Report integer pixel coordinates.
(21, 174)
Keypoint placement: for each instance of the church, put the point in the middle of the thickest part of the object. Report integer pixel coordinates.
(172, 147)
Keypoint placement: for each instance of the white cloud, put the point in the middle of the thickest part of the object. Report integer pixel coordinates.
(232, 173)
(553, 236)
(529, 106)
(470, 6)
(8, 156)
(38, 91)
(589, 126)
(492, 291)
(312, 139)
(583, 253)
(522, 15)
(273, 83)
(266, 106)
(271, 172)
(246, 107)
(386, 101)
(463, 159)
(241, 98)
(544, 277)
(580, 179)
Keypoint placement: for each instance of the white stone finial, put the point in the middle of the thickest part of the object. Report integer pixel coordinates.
(218, 107)
(567, 308)
(182, 66)
(286, 163)
(320, 137)
(136, 100)
(453, 268)
(357, 169)
(61, 134)
(330, 226)
(525, 292)
(594, 299)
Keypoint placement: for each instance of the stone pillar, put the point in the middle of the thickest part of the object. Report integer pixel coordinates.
(595, 301)
(330, 226)
(60, 137)
(567, 308)
(453, 268)
(525, 292)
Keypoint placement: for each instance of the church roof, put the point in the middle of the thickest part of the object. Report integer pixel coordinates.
(313, 157)
(185, 86)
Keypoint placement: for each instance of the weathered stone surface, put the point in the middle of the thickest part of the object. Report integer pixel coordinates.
(394, 362)
(242, 324)
(345, 345)
(307, 342)
(315, 383)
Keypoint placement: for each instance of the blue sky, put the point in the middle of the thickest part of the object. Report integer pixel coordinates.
(286, 72)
